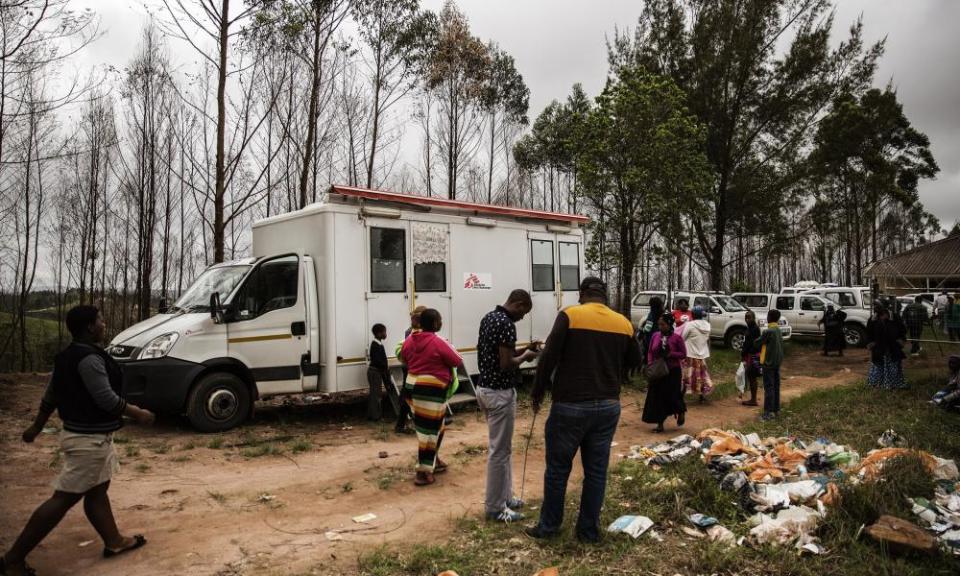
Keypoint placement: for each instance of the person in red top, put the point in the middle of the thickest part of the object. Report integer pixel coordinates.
(431, 362)
(682, 314)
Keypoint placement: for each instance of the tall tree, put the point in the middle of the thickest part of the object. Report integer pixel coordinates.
(758, 74)
(505, 99)
(642, 164)
(456, 73)
(872, 159)
(395, 35)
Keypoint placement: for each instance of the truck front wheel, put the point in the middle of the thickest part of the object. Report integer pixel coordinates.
(219, 401)
(855, 335)
(735, 338)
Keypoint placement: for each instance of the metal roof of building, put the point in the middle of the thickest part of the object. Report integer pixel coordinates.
(936, 259)
(458, 205)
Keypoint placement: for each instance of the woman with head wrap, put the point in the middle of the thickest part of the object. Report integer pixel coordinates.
(885, 338)
(665, 395)
(834, 340)
(696, 337)
(649, 326)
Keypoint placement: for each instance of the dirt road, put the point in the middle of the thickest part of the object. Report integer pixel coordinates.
(235, 504)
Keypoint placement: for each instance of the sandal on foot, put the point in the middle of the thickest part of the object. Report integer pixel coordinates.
(440, 467)
(138, 542)
(424, 479)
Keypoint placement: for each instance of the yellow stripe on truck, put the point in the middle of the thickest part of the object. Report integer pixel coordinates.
(260, 338)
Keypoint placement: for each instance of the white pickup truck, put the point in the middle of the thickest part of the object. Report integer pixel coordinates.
(803, 311)
(725, 314)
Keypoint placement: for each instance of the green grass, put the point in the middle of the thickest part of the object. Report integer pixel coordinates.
(132, 451)
(217, 497)
(265, 449)
(850, 415)
(215, 443)
(301, 445)
(42, 343)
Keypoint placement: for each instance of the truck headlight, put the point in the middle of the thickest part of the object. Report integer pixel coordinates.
(159, 346)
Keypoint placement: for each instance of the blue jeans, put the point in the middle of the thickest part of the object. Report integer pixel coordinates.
(771, 389)
(588, 427)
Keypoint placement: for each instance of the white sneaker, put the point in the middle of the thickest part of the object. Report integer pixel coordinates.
(506, 515)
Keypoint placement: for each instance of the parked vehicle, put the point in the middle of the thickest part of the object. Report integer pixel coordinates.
(908, 300)
(296, 316)
(725, 314)
(856, 302)
(803, 311)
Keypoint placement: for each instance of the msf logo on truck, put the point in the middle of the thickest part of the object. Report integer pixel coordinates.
(477, 281)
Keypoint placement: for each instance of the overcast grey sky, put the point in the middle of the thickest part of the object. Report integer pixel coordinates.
(559, 42)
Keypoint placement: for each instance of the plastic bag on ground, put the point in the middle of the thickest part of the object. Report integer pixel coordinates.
(945, 469)
(718, 533)
(787, 526)
(702, 520)
(874, 461)
(890, 439)
(632, 525)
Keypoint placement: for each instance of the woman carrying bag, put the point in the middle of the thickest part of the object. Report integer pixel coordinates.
(664, 389)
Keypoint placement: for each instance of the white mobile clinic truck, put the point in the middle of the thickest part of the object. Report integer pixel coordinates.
(297, 316)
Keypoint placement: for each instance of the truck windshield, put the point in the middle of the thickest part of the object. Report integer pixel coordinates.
(222, 279)
(729, 304)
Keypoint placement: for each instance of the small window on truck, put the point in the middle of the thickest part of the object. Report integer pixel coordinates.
(542, 261)
(569, 266)
(388, 260)
(430, 277)
(271, 286)
(784, 303)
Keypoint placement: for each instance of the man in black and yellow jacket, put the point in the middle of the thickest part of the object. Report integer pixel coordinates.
(586, 358)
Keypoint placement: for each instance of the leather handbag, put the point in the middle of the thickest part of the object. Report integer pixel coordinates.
(656, 370)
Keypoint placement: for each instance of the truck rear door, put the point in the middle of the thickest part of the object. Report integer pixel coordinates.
(556, 268)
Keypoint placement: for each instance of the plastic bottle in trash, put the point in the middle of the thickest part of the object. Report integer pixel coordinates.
(802, 471)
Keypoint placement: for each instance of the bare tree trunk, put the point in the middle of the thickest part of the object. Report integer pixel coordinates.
(221, 172)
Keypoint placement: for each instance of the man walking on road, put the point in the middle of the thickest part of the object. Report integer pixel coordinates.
(499, 361)
(585, 360)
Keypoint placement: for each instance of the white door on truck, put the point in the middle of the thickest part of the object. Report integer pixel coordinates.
(811, 312)
(785, 303)
(556, 263)
(266, 324)
(430, 263)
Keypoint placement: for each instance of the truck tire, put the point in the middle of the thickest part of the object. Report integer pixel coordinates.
(219, 401)
(734, 338)
(855, 335)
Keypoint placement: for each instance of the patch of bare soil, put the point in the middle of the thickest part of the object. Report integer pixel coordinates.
(278, 495)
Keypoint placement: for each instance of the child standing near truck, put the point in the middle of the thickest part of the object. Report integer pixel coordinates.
(771, 356)
(378, 373)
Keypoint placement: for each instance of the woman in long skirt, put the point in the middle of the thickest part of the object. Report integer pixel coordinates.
(430, 361)
(885, 339)
(696, 338)
(665, 395)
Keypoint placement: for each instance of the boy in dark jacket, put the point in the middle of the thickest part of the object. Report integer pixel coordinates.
(86, 390)
(771, 356)
(378, 372)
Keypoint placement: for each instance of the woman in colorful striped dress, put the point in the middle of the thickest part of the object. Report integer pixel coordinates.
(431, 365)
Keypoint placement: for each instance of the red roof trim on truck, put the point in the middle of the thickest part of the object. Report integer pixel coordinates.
(454, 204)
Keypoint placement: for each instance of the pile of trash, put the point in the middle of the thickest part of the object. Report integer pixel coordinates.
(787, 484)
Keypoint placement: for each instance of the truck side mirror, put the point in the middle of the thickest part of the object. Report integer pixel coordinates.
(163, 306)
(216, 309)
(715, 310)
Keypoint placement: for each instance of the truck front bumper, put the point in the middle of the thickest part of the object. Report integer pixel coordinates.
(160, 384)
